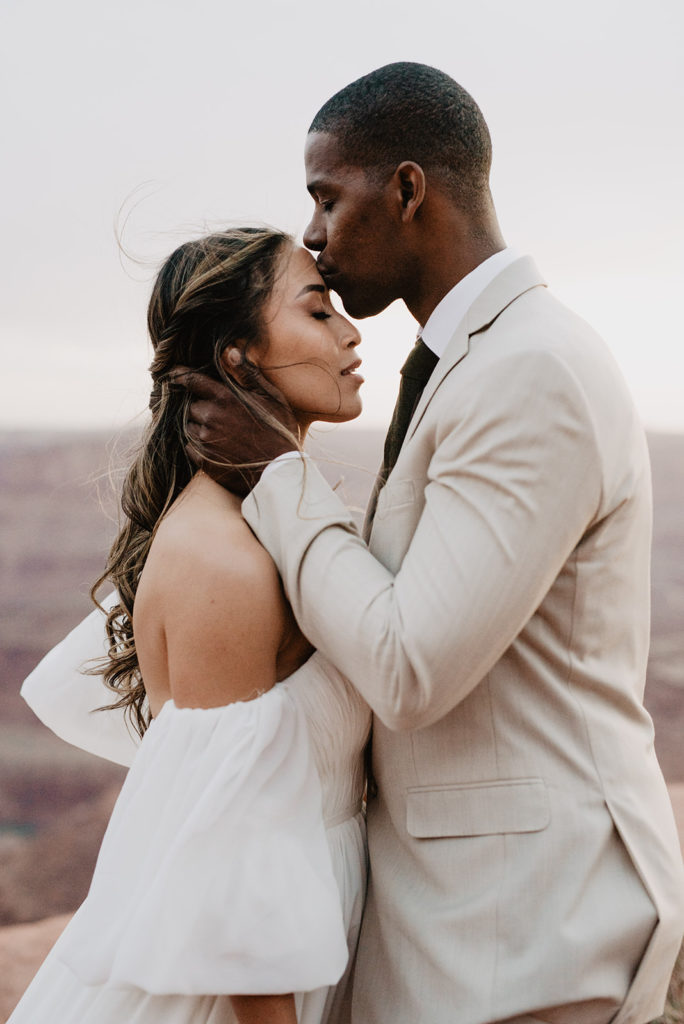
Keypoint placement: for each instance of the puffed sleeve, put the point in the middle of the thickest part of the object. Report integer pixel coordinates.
(65, 699)
(214, 875)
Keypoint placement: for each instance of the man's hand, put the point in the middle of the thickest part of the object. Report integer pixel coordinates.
(233, 440)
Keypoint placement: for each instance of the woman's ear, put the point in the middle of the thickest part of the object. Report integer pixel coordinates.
(231, 357)
(232, 361)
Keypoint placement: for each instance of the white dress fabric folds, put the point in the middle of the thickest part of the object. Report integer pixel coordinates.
(65, 699)
(234, 862)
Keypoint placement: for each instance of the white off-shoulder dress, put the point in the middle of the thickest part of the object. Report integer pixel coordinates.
(234, 860)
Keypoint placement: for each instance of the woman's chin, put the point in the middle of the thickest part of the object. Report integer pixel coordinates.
(340, 417)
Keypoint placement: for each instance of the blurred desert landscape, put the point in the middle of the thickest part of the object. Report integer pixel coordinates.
(58, 516)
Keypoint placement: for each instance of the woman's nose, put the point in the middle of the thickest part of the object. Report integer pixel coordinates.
(351, 335)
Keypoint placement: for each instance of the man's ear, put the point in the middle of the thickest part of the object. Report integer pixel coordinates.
(410, 184)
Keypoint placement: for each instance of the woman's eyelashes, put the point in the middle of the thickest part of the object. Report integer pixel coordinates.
(321, 315)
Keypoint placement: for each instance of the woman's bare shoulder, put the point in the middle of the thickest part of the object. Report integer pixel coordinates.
(216, 595)
(205, 534)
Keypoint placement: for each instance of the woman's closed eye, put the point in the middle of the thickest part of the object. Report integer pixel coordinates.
(321, 315)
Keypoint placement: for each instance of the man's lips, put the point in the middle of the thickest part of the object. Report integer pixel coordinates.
(324, 271)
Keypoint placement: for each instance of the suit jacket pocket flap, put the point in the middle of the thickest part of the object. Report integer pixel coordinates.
(477, 809)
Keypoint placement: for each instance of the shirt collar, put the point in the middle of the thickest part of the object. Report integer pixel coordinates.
(448, 313)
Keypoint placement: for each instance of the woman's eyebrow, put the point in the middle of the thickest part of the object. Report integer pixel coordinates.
(312, 288)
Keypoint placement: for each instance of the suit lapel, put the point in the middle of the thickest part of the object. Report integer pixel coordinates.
(516, 279)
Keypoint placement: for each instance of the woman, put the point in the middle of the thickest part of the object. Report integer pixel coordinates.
(230, 882)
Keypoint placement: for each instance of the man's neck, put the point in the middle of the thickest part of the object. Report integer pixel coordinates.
(452, 245)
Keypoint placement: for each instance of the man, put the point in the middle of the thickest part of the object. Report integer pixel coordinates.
(524, 861)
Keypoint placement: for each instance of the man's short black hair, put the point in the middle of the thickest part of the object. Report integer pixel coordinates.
(409, 111)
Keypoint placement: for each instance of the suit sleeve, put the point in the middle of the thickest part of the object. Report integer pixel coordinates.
(512, 485)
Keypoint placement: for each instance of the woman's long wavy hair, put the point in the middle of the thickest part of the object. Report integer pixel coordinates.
(208, 295)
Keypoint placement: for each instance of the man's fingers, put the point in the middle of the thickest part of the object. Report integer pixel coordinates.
(200, 411)
(205, 389)
(256, 381)
(251, 378)
(198, 385)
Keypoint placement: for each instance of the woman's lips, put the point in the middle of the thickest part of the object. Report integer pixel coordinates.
(350, 371)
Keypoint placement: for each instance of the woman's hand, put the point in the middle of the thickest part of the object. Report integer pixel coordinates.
(229, 441)
(264, 1009)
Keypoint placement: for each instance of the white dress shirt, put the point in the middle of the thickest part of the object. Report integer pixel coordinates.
(448, 313)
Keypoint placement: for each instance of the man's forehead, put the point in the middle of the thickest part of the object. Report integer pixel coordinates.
(325, 161)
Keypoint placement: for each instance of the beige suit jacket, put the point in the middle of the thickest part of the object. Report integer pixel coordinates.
(523, 850)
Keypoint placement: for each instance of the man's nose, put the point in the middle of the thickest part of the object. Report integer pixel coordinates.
(314, 235)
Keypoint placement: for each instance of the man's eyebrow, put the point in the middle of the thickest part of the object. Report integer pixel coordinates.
(312, 288)
(315, 186)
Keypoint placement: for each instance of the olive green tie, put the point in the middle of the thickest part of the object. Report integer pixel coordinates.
(415, 374)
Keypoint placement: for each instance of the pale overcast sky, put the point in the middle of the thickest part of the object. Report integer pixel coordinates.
(193, 115)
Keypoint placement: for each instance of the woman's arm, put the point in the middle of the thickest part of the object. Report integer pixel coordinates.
(66, 700)
(264, 1009)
